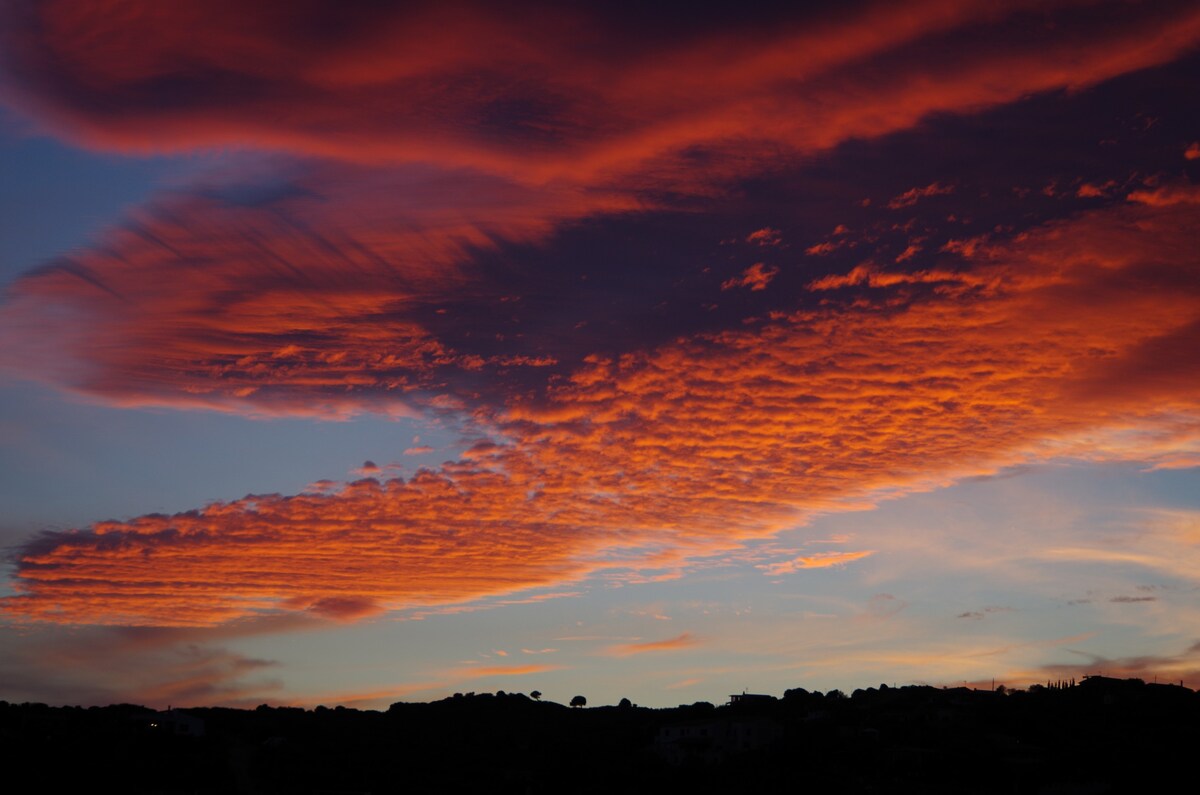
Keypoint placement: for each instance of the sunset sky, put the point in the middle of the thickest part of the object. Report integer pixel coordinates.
(357, 353)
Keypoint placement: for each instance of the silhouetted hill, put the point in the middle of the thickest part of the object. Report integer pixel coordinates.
(1100, 735)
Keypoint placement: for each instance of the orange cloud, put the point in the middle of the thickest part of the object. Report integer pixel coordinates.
(487, 672)
(311, 297)
(823, 248)
(756, 277)
(638, 464)
(964, 248)
(684, 683)
(870, 275)
(682, 641)
(911, 251)
(913, 195)
(820, 560)
(765, 237)
(1167, 195)
(302, 302)
(340, 554)
(1089, 191)
(431, 143)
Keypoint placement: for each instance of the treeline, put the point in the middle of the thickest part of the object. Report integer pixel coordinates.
(1099, 735)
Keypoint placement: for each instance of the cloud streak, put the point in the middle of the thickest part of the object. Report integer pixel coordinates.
(819, 560)
(682, 641)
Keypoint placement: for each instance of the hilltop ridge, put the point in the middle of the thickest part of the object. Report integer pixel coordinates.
(1094, 736)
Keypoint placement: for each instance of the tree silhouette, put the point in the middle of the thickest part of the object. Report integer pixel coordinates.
(536, 695)
(579, 701)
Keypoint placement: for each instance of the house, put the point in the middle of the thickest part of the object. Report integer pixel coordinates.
(749, 699)
(177, 722)
(711, 741)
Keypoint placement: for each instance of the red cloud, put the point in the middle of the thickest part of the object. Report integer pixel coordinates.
(570, 96)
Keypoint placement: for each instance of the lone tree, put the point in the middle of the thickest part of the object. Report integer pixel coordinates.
(536, 695)
(579, 701)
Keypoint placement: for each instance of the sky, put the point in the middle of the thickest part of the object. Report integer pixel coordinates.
(358, 354)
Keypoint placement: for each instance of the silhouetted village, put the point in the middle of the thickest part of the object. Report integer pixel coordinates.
(1098, 735)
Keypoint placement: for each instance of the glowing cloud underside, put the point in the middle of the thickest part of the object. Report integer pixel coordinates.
(323, 294)
(691, 448)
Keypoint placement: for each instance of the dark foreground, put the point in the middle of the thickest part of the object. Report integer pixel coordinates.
(1102, 735)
